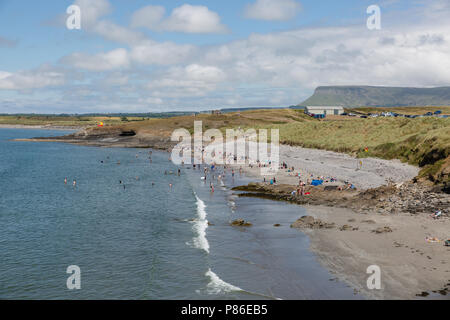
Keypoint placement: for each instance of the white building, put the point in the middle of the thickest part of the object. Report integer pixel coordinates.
(328, 111)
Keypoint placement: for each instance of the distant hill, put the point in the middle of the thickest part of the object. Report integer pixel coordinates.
(359, 96)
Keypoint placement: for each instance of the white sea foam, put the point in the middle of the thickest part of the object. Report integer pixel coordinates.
(217, 285)
(200, 226)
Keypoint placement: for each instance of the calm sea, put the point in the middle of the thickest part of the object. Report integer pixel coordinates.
(135, 237)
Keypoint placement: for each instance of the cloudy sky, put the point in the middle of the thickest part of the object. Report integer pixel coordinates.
(142, 55)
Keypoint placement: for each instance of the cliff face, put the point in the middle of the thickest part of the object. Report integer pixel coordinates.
(366, 96)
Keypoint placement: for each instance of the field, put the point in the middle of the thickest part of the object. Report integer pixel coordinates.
(404, 110)
(63, 121)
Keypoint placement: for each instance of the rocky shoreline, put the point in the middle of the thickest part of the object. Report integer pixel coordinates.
(408, 197)
(110, 138)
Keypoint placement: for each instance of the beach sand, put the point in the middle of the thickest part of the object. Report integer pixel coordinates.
(409, 264)
(374, 172)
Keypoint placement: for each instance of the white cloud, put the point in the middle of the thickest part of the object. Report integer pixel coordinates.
(279, 68)
(114, 32)
(186, 19)
(161, 53)
(272, 10)
(191, 81)
(149, 17)
(35, 79)
(111, 60)
(92, 11)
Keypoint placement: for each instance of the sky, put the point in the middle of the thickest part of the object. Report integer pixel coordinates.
(157, 56)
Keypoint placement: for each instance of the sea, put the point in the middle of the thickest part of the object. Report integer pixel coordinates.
(139, 231)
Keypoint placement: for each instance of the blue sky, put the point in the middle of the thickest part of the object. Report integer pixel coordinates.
(206, 54)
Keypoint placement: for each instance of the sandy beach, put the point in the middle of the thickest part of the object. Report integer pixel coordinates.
(314, 163)
(410, 265)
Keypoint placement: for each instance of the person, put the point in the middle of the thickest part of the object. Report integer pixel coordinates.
(74, 183)
(179, 172)
(65, 180)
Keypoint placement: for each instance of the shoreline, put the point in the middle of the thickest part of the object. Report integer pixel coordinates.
(410, 265)
(39, 127)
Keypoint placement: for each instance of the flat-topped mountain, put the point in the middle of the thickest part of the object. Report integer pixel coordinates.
(369, 96)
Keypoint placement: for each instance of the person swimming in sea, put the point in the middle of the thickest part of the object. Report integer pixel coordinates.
(65, 180)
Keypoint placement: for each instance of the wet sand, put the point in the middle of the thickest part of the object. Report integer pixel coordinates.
(409, 264)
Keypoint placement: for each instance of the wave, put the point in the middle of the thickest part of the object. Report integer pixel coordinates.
(217, 285)
(200, 226)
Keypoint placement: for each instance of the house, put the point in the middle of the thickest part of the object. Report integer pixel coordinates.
(324, 110)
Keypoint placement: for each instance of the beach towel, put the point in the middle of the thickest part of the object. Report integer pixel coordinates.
(432, 239)
(316, 183)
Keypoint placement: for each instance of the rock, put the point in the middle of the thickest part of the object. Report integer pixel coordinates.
(241, 223)
(277, 225)
(382, 230)
(308, 222)
(423, 294)
(348, 228)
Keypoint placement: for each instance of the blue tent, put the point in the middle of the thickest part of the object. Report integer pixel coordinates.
(317, 183)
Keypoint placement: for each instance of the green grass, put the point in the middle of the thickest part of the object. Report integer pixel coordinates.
(62, 121)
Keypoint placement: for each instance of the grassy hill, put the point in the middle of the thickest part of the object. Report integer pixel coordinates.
(359, 96)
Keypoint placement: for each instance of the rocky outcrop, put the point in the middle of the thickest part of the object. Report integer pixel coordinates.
(413, 198)
(308, 222)
(241, 223)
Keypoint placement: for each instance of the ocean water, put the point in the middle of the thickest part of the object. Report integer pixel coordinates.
(142, 238)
